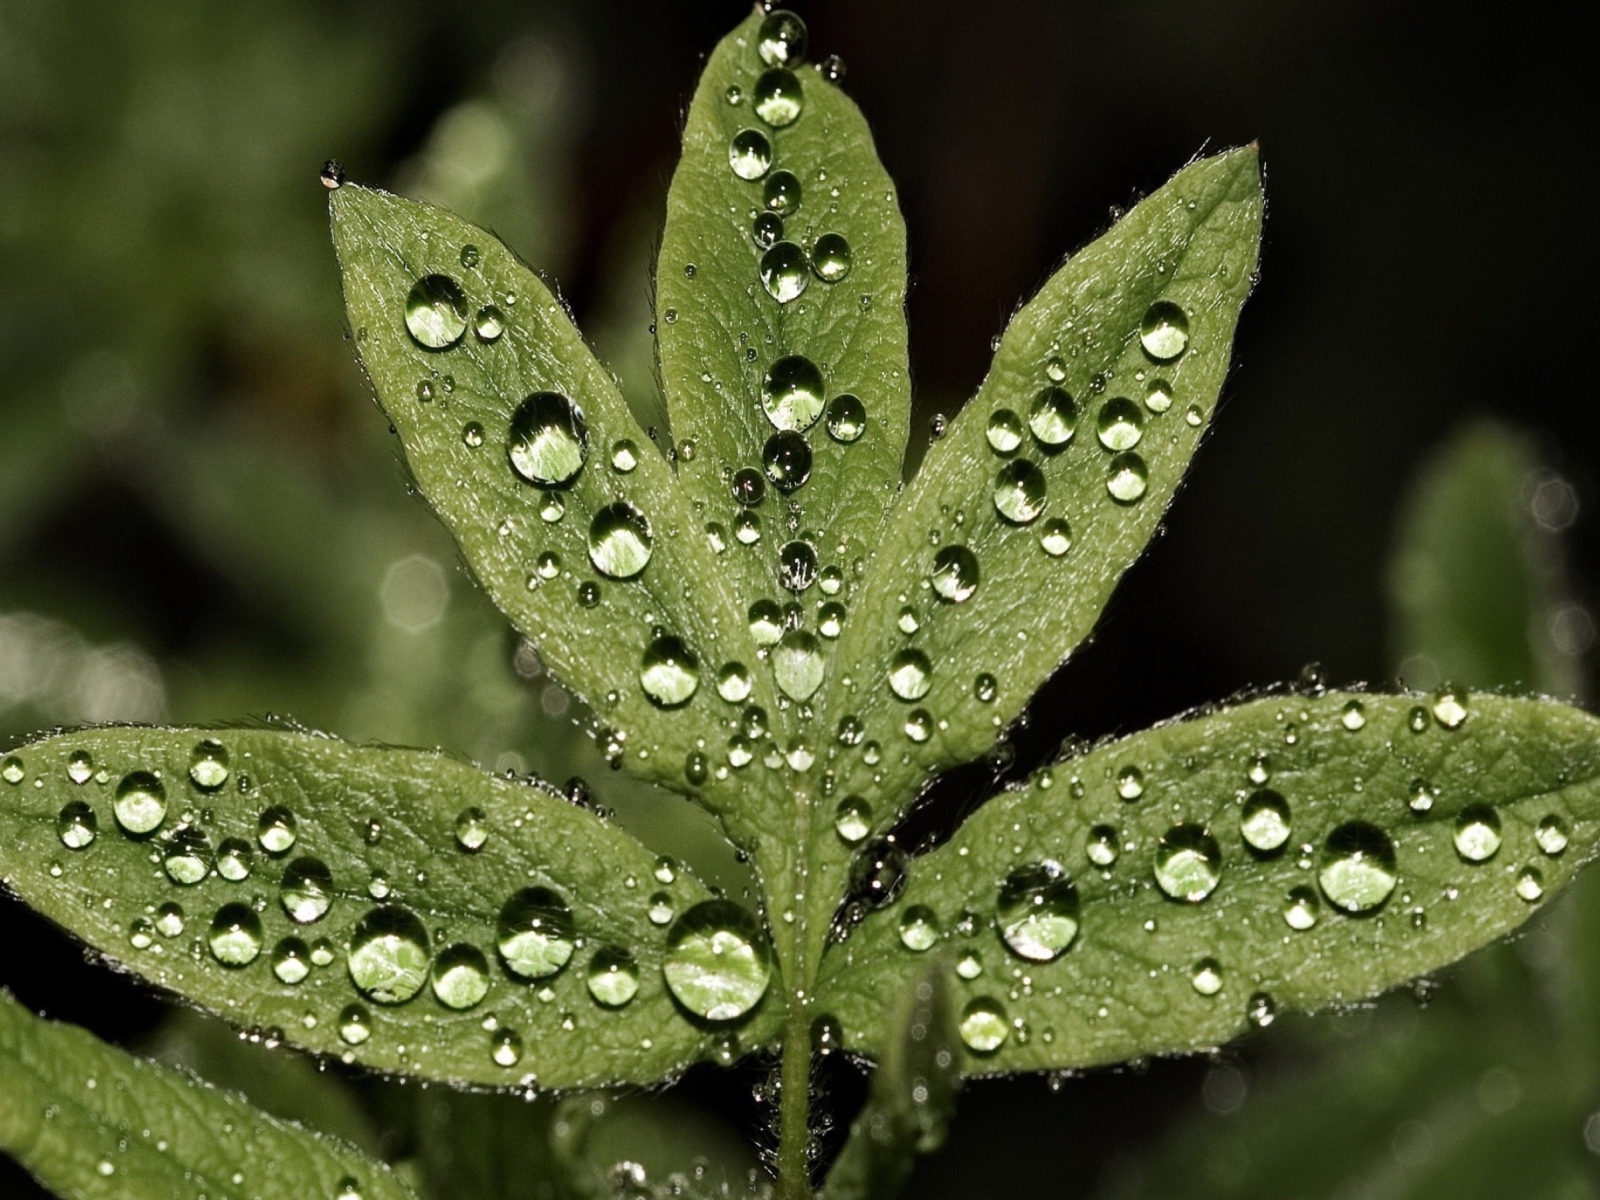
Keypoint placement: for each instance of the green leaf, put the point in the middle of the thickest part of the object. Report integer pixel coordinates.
(378, 935)
(539, 550)
(1192, 932)
(91, 1121)
(1477, 585)
(913, 1095)
(938, 669)
(723, 332)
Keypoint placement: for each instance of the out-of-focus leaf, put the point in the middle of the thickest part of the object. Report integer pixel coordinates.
(1163, 892)
(397, 908)
(647, 1150)
(94, 1123)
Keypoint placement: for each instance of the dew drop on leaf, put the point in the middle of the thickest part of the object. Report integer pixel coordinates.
(852, 820)
(778, 97)
(619, 540)
(781, 41)
(1530, 884)
(436, 312)
(76, 825)
(969, 965)
(1301, 910)
(792, 393)
(1264, 821)
(766, 229)
(831, 257)
(186, 856)
(717, 963)
(505, 1047)
(291, 961)
(307, 890)
(1158, 396)
(1120, 424)
(1477, 833)
(140, 804)
(169, 920)
(235, 935)
(12, 769)
(1130, 782)
(276, 830)
(1055, 537)
(983, 1025)
(787, 459)
(955, 574)
(355, 1025)
(489, 323)
(235, 860)
(1052, 419)
(919, 928)
(1206, 977)
(784, 272)
(847, 418)
(660, 910)
(1358, 868)
(1102, 846)
(750, 154)
(1353, 716)
(460, 976)
(1038, 911)
(985, 687)
(549, 439)
(910, 674)
(624, 456)
(797, 565)
(1004, 431)
(534, 933)
(669, 672)
(1127, 478)
(388, 955)
(472, 829)
(208, 765)
(1164, 332)
(1450, 706)
(1188, 863)
(613, 977)
(1551, 835)
(798, 665)
(734, 683)
(1019, 491)
(80, 767)
(766, 622)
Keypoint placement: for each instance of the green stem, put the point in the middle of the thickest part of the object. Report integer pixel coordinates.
(794, 1112)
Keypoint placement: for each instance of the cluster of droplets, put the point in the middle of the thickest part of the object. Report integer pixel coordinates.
(715, 962)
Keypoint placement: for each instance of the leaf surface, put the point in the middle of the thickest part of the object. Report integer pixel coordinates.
(91, 1122)
(1189, 932)
(380, 934)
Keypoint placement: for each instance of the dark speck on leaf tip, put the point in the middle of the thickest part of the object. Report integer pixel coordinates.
(332, 174)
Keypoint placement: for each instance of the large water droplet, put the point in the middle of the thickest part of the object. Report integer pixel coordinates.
(1120, 424)
(613, 977)
(1019, 491)
(235, 860)
(208, 765)
(910, 674)
(778, 97)
(388, 955)
(781, 41)
(535, 934)
(750, 154)
(983, 1025)
(460, 976)
(549, 439)
(784, 272)
(1004, 431)
(141, 803)
(831, 257)
(235, 935)
(787, 459)
(766, 623)
(436, 312)
(76, 825)
(186, 856)
(781, 193)
(276, 830)
(669, 672)
(955, 574)
(12, 770)
(1264, 821)
(717, 964)
(1053, 419)
(766, 229)
(1358, 868)
(1188, 863)
(797, 565)
(1164, 332)
(847, 419)
(852, 819)
(1038, 911)
(1477, 833)
(792, 393)
(1127, 478)
(307, 891)
(619, 540)
(797, 665)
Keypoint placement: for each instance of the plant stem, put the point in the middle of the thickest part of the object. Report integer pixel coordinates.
(794, 1112)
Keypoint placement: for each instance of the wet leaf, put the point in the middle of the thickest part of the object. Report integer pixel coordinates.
(396, 908)
(1165, 892)
(91, 1121)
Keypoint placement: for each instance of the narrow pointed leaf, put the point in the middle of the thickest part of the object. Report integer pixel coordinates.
(816, 385)
(1291, 853)
(913, 1095)
(95, 1123)
(565, 510)
(421, 917)
(1011, 538)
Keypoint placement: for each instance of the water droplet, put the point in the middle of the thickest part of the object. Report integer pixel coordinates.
(1004, 431)
(460, 976)
(1302, 909)
(549, 439)
(910, 674)
(613, 977)
(1551, 835)
(619, 540)
(792, 393)
(186, 856)
(781, 41)
(1019, 491)
(778, 97)
(1353, 716)
(469, 256)
(734, 683)
(624, 456)
(291, 961)
(748, 487)
(388, 955)
(1127, 478)
(1207, 977)
(1264, 821)
(669, 672)
(798, 665)
(535, 933)
(208, 765)
(355, 1024)
(919, 928)
(1102, 846)
(797, 565)
(1358, 868)
(1158, 396)
(918, 725)
(472, 435)
(660, 911)
(831, 258)
(784, 272)
(1055, 537)
(1530, 884)
(489, 324)
(1053, 419)
(787, 459)
(985, 687)
(766, 622)
(847, 418)
(322, 953)
(1188, 863)
(436, 312)
(12, 770)
(955, 574)
(908, 621)
(983, 1026)
(1120, 424)
(852, 819)
(141, 803)
(276, 830)
(169, 920)
(505, 1047)
(879, 872)
(307, 891)
(1130, 782)
(472, 829)
(76, 825)
(1038, 911)
(767, 229)
(141, 934)
(235, 935)
(749, 154)
(781, 193)
(1450, 706)
(1477, 833)
(80, 767)
(970, 965)
(332, 174)
(1164, 332)
(717, 964)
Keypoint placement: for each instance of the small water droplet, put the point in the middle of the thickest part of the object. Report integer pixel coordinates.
(955, 574)
(781, 193)
(534, 933)
(549, 439)
(1477, 833)
(1188, 863)
(969, 965)
(797, 565)
(460, 976)
(208, 765)
(1038, 911)
(1301, 910)
(781, 41)
(620, 540)
(919, 928)
(1164, 332)
(355, 1025)
(613, 977)
(983, 1025)
(767, 229)
(787, 460)
(489, 323)
(831, 257)
(1353, 716)
(1530, 884)
(1053, 418)
(624, 456)
(291, 961)
(1127, 478)
(1130, 782)
(749, 155)
(1450, 706)
(1055, 537)
(852, 819)
(141, 803)
(785, 272)
(717, 963)
(76, 825)
(1120, 424)
(169, 920)
(1264, 821)
(80, 767)
(1004, 431)
(797, 665)
(847, 418)
(1551, 835)
(276, 830)
(235, 935)
(469, 256)
(1358, 868)
(910, 674)
(985, 687)
(307, 890)
(669, 672)
(472, 829)
(1102, 846)
(1206, 977)
(1019, 491)
(332, 174)
(186, 856)
(12, 770)
(436, 312)
(1158, 396)
(505, 1047)
(792, 393)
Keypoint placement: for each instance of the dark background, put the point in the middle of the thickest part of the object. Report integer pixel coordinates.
(1429, 256)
